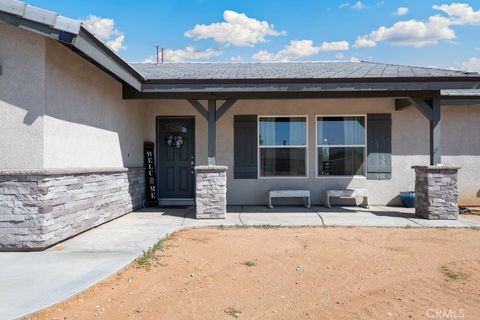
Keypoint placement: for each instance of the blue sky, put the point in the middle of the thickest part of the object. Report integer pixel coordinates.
(427, 33)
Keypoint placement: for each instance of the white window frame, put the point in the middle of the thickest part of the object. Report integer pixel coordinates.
(317, 146)
(259, 176)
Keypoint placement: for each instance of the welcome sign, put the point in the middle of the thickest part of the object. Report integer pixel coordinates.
(150, 180)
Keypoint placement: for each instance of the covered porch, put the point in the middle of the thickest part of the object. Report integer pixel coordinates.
(225, 99)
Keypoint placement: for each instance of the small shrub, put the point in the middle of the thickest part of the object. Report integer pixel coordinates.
(451, 275)
(249, 263)
(148, 257)
(266, 226)
(232, 312)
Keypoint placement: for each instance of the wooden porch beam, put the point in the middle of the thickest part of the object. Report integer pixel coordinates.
(212, 115)
(431, 109)
(224, 108)
(422, 106)
(401, 104)
(212, 131)
(435, 132)
(199, 107)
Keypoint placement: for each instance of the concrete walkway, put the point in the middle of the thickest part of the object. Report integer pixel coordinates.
(30, 281)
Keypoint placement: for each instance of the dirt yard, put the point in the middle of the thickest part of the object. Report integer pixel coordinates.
(307, 273)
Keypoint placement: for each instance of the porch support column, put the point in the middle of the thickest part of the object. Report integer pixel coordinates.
(212, 131)
(431, 109)
(436, 191)
(435, 133)
(211, 180)
(212, 115)
(436, 185)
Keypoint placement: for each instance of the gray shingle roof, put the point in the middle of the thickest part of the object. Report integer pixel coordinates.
(289, 70)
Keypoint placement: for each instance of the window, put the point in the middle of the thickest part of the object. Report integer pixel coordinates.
(283, 146)
(341, 145)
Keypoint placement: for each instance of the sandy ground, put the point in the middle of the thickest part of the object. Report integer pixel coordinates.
(474, 217)
(288, 273)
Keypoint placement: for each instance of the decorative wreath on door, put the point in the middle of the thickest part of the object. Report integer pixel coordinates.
(174, 141)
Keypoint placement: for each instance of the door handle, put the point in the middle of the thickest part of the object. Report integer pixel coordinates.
(192, 166)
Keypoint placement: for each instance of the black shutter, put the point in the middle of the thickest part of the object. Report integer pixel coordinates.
(379, 146)
(245, 147)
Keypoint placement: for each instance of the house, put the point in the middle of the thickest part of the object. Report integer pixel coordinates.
(78, 125)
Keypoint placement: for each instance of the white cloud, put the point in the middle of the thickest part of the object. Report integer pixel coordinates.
(117, 43)
(186, 54)
(401, 11)
(411, 32)
(335, 46)
(472, 64)
(460, 13)
(420, 33)
(263, 55)
(104, 29)
(237, 29)
(359, 5)
(298, 49)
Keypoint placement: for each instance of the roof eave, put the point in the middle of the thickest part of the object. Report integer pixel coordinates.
(97, 52)
(82, 42)
(212, 81)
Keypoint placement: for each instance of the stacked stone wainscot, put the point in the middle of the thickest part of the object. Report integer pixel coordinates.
(39, 208)
(436, 189)
(211, 192)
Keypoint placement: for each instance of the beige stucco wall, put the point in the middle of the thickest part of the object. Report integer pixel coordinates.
(58, 110)
(22, 103)
(87, 123)
(461, 146)
(410, 146)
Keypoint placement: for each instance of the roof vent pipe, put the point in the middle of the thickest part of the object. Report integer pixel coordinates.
(159, 53)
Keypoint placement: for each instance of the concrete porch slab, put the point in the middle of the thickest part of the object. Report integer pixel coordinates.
(31, 281)
(286, 216)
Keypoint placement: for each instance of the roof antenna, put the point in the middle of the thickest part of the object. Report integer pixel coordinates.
(160, 52)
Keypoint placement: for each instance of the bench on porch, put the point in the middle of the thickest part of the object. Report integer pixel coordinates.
(289, 194)
(347, 193)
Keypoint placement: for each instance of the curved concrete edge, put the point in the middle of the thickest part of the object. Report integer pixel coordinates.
(102, 277)
(326, 218)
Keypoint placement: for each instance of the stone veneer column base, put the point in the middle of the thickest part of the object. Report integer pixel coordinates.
(39, 208)
(436, 190)
(211, 192)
